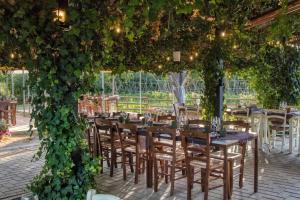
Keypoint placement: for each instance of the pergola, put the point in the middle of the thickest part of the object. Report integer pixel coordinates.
(62, 45)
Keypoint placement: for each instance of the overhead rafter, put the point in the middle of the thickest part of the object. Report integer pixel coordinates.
(269, 16)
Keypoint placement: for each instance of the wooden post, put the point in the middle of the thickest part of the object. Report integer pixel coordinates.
(12, 84)
(24, 92)
(29, 99)
(113, 85)
(140, 92)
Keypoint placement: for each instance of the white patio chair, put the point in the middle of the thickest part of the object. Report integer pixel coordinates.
(277, 128)
(91, 195)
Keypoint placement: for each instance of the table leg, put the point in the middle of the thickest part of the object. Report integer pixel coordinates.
(149, 170)
(255, 165)
(225, 192)
(291, 126)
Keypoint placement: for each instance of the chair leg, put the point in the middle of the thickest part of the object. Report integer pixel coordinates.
(106, 154)
(115, 158)
(241, 177)
(101, 160)
(202, 180)
(137, 168)
(172, 178)
(183, 171)
(131, 162)
(124, 165)
(206, 186)
(230, 175)
(112, 164)
(144, 164)
(161, 162)
(189, 183)
(155, 175)
(166, 172)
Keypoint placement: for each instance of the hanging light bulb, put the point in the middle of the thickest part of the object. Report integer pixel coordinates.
(191, 58)
(235, 46)
(118, 29)
(223, 34)
(12, 55)
(159, 66)
(168, 58)
(60, 13)
(196, 54)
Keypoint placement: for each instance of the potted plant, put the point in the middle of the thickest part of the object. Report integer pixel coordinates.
(3, 129)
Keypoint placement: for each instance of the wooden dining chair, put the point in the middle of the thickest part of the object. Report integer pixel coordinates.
(278, 128)
(131, 145)
(108, 143)
(166, 149)
(236, 159)
(197, 150)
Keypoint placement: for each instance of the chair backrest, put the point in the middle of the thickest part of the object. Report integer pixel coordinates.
(239, 124)
(102, 123)
(166, 118)
(104, 130)
(199, 122)
(128, 135)
(196, 145)
(163, 140)
(277, 121)
(280, 112)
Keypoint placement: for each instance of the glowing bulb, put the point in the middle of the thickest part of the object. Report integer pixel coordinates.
(118, 30)
(12, 55)
(191, 58)
(159, 66)
(60, 15)
(168, 58)
(235, 46)
(196, 54)
(223, 34)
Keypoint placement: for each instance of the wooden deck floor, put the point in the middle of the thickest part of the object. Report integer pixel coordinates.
(279, 178)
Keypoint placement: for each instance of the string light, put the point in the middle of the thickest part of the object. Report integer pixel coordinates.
(196, 54)
(118, 30)
(235, 46)
(168, 58)
(223, 33)
(60, 15)
(12, 55)
(191, 58)
(159, 66)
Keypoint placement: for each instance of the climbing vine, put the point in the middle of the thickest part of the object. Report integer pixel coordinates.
(62, 58)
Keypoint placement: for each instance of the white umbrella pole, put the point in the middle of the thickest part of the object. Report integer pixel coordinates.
(140, 91)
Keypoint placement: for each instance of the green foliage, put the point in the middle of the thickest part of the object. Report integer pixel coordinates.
(276, 77)
(59, 58)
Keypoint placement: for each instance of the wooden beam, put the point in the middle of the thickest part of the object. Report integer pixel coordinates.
(270, 16)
